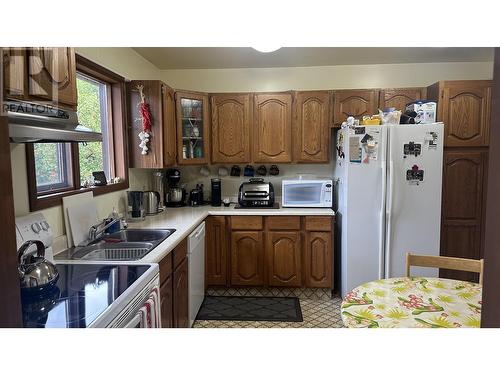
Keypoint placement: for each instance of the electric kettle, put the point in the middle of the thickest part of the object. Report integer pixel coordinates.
(35, 272)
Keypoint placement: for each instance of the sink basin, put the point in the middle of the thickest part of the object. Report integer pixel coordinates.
(125, 245)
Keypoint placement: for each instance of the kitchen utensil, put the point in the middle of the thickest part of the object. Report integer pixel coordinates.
(262, 170)
(135, 205)
(235, 171)
(226, 202)
(248, 171)
(274, 170)
(216, 191)
(35, 272)
(223, 171)
(159, 186)
(151, 202)
(81, 218)
(73, 200)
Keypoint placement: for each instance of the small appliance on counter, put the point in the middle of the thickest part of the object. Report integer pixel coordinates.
(135, 206)
(307, 193)
(175, 195)
(216, 192)
(256, 194)
(159, 186)
(152, 202)
(196, 196)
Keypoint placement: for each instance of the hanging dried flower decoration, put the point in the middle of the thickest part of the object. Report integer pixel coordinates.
(145, 113)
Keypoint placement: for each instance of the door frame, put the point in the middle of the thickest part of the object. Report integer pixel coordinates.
(490, 317)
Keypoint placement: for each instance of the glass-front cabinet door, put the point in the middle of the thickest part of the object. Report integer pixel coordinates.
(192, 128)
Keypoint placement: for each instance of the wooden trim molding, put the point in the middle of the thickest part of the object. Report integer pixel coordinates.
(117, 98)
(490, 316)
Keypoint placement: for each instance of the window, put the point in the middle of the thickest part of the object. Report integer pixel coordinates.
(59, 169)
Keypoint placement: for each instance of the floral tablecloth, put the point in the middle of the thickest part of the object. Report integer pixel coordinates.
(413, 302)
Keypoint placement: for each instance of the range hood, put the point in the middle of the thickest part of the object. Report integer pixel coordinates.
(31, 122)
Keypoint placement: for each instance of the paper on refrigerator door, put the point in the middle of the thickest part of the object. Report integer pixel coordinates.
(355, 150)
(370, 144)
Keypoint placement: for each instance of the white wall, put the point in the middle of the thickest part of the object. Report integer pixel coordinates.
(323, 77)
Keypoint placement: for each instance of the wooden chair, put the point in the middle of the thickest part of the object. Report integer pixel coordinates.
(449, 263)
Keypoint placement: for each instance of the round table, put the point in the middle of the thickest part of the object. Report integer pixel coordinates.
(413, 302)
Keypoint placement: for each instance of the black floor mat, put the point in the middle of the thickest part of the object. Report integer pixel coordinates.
(275, 309)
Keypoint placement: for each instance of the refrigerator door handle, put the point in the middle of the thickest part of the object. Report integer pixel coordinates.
(389, 220)
(382, 222)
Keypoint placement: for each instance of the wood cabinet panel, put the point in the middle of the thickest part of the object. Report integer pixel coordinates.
(179, 253)
(192, 111)
(181, 295)
(319, 223)
(311, 126)
(231, 122)
(465, 109)
(318, 260)
(169, 126)
(247, 258)
(165, 267)
(152, 91)
(272, 133)
(464, 181)
(14, 72)
(216, 251)
(399, 98)
(246, 222)
(283, 252)
(52, 74)
(167, 303)
(357, 103)
(283, 222)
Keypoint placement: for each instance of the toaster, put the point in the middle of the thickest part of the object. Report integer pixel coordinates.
(256, 193)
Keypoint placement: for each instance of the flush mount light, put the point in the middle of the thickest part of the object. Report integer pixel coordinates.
(266, 49)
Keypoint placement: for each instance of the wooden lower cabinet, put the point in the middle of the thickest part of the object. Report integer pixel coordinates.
(166, 304)
(247, 258)
(216, 251)
(283, 255)
(180, 294)
(318, 260)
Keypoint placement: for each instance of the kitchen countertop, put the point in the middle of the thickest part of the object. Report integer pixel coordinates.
(186, 219)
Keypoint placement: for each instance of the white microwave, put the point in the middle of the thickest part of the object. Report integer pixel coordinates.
(306, 193)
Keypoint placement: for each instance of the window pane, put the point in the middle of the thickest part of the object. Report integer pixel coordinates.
(52, 166)
(93, 113)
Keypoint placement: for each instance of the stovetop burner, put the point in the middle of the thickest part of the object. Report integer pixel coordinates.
(82, 293)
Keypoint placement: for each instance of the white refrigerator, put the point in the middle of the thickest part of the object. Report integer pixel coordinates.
(388, 199)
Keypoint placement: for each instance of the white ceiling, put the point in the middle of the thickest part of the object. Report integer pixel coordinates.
(245, 57)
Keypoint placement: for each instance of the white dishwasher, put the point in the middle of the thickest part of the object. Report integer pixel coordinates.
(196, 259)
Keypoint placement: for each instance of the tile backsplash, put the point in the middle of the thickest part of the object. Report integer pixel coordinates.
(190, 175)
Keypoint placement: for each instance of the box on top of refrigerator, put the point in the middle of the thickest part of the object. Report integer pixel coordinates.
(426, 111)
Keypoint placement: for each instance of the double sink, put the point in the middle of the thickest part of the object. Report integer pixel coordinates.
(125, 245)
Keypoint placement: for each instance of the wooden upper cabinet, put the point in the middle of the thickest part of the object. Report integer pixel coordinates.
(193, 142)
(216, 251)
(247, 258)
(14, 70)
(283, 251)
(356, 103)
(465, 109)
(272, 132)
(169, 126)
(399, 98)
(231, 121)
(311, 126)
(52, 75)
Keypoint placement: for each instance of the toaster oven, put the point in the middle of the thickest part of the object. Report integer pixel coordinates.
(306, 193)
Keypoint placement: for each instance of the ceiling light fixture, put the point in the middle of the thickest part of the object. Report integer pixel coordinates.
(266, 49)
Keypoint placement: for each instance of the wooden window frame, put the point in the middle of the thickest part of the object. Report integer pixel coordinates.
(118, 142)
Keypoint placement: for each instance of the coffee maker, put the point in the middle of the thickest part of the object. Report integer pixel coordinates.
(175, 195)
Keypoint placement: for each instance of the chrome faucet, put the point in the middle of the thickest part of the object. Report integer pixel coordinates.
(95, 232)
